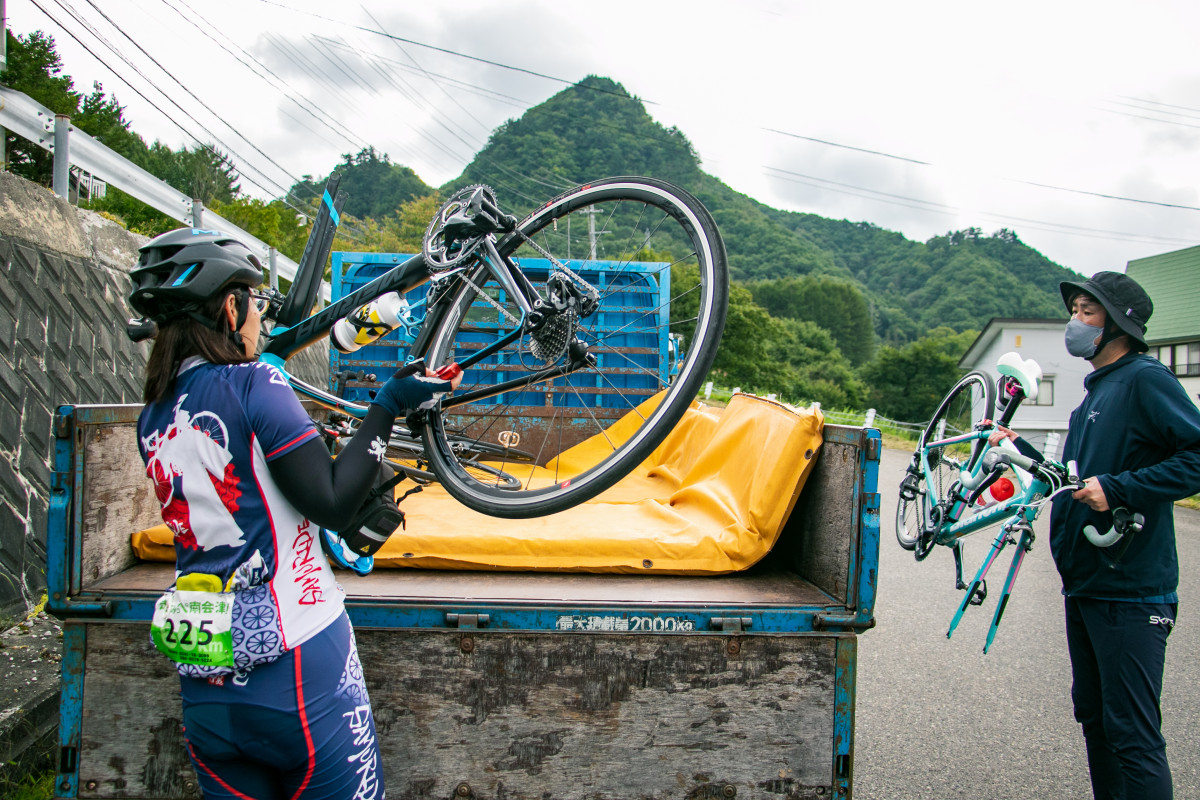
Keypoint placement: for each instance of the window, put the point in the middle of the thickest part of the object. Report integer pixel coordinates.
(1045, 395)
(1187, 359)
(1183, 359)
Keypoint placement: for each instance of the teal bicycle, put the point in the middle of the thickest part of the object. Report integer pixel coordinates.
(958, 484)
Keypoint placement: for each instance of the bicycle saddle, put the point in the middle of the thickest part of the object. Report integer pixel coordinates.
(1026, 371)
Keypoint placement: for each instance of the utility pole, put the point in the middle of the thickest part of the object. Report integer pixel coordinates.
(591, 212)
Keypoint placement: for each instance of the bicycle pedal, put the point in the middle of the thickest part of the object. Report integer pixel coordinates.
(979, 595)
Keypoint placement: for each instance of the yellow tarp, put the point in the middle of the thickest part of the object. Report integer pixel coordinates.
(711, 499)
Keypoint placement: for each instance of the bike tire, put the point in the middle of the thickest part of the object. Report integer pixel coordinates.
(970, 400)
(636, 219)
(910, 516)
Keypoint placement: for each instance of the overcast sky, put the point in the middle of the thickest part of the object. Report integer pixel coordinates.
(1076, 124)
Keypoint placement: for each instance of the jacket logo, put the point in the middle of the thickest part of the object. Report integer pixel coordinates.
(1092, 415)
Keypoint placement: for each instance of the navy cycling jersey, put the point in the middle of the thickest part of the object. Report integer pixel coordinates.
(206, 447)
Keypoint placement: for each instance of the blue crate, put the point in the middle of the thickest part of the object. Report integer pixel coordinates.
(643, 357)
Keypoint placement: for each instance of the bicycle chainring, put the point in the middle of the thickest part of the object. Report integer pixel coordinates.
(456, 231)
(927, 537)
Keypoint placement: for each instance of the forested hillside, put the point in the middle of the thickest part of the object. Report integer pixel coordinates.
(959, 280)
(842, 312)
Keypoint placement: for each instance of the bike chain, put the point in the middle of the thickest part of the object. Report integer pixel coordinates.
(570, 273)
(494, 303)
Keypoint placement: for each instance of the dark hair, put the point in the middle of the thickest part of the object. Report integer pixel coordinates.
(184, 337)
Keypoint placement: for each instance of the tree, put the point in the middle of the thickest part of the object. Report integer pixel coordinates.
(835, 305)
(103, 118)
(907, 383)
(372, 184)
(34, 68)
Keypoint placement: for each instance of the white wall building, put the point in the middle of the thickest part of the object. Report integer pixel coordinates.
(1173, 282)
(1061, 387)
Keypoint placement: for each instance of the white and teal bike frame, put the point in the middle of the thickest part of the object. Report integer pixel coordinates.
(948, 475)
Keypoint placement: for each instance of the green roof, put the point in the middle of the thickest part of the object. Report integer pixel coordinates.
(1173, 282)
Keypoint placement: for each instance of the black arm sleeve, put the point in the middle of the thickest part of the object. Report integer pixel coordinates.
(1028, 450)
(330, 490)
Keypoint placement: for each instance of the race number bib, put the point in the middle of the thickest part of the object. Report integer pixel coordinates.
(191, 627)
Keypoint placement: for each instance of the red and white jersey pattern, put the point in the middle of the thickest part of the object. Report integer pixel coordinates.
(207, 448)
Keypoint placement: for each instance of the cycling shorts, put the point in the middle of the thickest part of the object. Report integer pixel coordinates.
(298, 728)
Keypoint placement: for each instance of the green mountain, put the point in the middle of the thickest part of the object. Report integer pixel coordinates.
(595, 129)
(373, 185)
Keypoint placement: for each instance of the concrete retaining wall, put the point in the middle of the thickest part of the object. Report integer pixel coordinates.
(63, 283)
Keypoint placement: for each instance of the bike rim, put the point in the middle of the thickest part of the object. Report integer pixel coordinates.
(660, 264)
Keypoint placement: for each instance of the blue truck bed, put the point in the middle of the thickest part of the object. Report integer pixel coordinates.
(513, 685)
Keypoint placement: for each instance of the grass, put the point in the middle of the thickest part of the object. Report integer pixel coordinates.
(32, 787)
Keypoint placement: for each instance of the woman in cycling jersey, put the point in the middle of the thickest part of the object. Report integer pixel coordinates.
(274, 703)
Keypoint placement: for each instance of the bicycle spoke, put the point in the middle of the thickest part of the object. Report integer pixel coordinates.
(621, 345)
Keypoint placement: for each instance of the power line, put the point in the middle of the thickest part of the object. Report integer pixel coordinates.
(1192, 112)
(849, 147)
(414, 95)
(1108, 196)
(447, 51)
(192, 94)
(947, 210)
(74, 15)
(340, 131)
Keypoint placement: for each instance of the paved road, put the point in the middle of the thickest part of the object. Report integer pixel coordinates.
(936, 718)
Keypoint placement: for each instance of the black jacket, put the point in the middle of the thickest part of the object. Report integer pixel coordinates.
(1139, 433)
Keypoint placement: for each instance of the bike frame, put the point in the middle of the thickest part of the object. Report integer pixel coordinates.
(282, 343)
(1018, 511)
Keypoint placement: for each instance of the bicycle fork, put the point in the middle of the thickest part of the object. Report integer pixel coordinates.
(1003, 538)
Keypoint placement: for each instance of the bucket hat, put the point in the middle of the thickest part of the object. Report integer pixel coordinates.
(1124, 300)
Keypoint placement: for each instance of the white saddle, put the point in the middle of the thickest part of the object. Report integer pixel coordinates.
(1025, 370)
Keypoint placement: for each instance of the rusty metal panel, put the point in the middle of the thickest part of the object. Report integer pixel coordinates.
(483, 714)
(131, 740)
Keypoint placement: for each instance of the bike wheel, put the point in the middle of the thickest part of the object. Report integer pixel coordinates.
(910, 511)
(972, 400)
(410, 459)
(655, 257)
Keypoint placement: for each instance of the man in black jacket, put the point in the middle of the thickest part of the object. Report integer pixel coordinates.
(1136, 438)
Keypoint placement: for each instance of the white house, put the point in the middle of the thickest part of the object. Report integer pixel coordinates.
(1061, 387)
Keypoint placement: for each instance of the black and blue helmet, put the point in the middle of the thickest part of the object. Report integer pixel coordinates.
(181, 269)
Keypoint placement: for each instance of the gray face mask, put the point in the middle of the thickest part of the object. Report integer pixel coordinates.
(1081, 338)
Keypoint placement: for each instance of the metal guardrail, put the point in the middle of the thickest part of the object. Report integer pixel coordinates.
(31, 120)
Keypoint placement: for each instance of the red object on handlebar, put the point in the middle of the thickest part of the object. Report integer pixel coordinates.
(449, 372)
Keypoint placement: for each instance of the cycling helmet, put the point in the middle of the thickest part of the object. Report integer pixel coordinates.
(179, 270)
